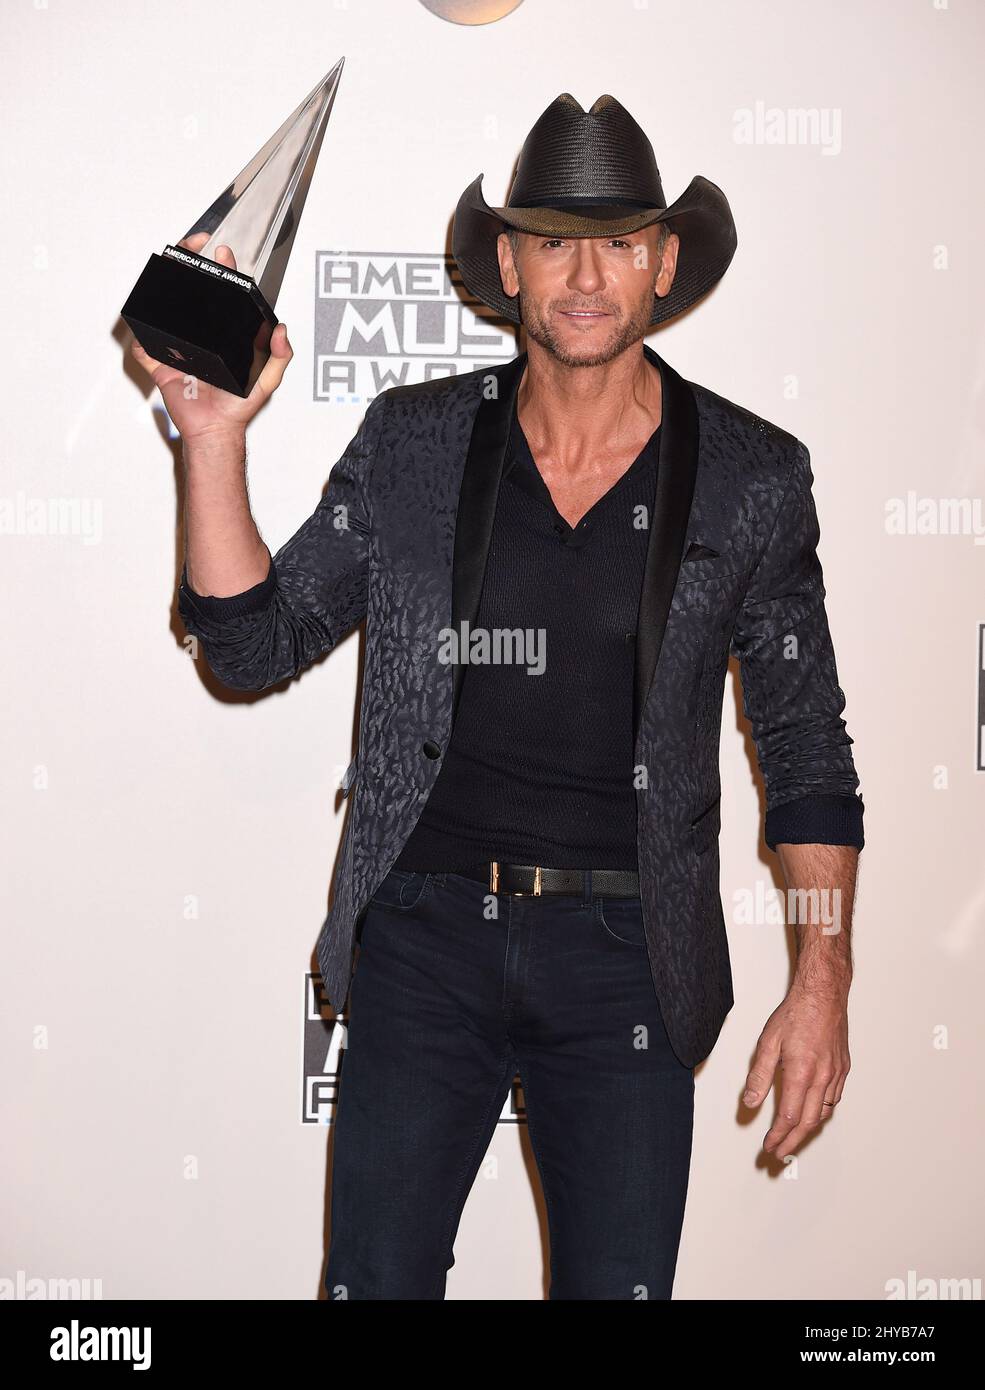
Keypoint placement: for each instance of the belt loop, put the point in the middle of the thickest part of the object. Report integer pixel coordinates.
(586, 887)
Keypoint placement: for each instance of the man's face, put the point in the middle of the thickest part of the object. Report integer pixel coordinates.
(587, 299)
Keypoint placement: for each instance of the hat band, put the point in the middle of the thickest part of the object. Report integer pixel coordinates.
(577, 202)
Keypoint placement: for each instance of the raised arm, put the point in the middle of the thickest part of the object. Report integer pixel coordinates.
(260, 619)
(315, 589)
(225, 554)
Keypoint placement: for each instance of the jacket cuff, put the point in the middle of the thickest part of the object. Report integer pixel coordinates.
(235, 605)
(816, 820)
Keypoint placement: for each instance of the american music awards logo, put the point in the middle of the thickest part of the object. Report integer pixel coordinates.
(323, 1060)
(390, 318)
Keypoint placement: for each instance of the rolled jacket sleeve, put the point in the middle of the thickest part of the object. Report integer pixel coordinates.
(315, 590)
(790, 689)
(235, 606)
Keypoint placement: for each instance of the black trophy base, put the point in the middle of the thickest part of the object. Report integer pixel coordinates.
(202, 319)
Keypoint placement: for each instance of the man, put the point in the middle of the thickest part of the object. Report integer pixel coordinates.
(555, 558)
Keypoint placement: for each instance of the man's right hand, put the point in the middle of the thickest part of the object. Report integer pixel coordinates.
(198, 409)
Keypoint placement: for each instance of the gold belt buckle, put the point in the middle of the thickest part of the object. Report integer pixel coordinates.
(494, 881)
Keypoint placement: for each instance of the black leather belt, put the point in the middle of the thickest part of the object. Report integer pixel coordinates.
(532, 880)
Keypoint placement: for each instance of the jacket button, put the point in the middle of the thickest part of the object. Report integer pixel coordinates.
(431, 749)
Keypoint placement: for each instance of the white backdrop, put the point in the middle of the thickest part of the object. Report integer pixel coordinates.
(169, 846)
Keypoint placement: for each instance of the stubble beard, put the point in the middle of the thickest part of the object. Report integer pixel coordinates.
(627, 333)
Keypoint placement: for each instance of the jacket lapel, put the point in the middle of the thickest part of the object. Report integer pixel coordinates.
(677, 466)
(477, 501)
(676, 473)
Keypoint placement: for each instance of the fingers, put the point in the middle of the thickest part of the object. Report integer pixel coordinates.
(195, 242)
(793, 1094)
(811, 1117)
(279, 343)
(223, 254)
(801, 1112)
(281, 353)
(269, 379)
(149, 364)
(762, 1072)
(835, 1091)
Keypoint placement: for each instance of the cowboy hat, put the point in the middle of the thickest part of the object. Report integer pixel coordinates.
(591, 174)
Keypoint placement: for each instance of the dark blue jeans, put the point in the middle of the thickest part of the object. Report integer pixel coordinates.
(448, 1003)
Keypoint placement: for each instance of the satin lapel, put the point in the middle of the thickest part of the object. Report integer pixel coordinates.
(677, 467)
(477, 502)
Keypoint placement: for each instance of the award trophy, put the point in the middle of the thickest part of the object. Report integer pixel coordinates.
(205, 319)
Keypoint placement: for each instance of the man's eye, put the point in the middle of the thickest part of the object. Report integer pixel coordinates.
(559, 241)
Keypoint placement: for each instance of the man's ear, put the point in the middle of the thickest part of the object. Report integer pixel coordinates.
(507, 269)
(665, 277)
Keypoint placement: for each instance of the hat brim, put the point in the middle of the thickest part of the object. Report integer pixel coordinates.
(701, 216)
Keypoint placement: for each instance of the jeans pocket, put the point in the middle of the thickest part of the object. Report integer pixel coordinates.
(402, 890)
(622, 920)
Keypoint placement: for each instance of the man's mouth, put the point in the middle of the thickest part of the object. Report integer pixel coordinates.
(584, 314)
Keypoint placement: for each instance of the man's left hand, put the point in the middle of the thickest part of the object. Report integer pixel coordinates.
(807, 1036)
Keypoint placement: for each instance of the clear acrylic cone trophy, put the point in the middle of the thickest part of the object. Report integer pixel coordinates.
(205, 319)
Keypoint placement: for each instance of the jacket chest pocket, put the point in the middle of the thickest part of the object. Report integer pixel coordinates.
(712, 567)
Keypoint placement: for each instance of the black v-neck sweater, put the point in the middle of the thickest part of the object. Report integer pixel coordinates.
(539, 769)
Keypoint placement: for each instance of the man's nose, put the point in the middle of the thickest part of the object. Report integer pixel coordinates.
(586, 274)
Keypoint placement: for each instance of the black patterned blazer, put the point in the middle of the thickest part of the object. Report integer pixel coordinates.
(400, 538)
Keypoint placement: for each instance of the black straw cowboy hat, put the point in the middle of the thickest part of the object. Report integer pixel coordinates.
(586, 174)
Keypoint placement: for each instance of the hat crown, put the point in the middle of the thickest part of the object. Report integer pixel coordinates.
(572, 155)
